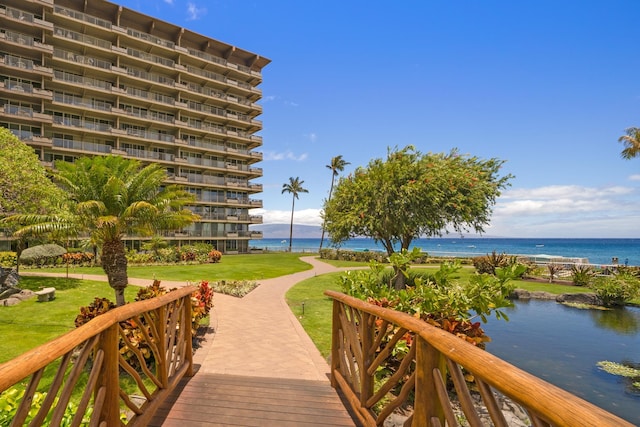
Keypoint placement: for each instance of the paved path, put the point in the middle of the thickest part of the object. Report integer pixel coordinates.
(257, 335)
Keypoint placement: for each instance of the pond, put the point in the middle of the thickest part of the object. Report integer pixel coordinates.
(562, 345)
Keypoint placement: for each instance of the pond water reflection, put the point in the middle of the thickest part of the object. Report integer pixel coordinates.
(562, 345)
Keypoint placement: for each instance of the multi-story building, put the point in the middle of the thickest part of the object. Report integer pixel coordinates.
(89, 77)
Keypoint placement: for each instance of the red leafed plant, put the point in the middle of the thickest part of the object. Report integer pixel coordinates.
(201, 304)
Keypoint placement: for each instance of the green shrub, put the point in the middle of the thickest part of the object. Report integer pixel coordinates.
(358, 256)
(616, 290)
(582, 275)
(7, 259)
(42, 255)
(489, 263)
(198, 252)
(10, 400)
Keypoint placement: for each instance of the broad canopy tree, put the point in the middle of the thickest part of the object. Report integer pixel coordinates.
(110, 197)
(410, 194)
(24, 185)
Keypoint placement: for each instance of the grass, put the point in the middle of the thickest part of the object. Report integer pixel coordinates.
(31, 323)
(232, 267)
(316, 319)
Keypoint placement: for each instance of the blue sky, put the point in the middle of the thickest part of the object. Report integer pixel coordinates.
(548, 86)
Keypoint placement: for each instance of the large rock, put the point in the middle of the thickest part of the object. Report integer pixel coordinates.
(588, 299)
(522, 294)
(579, 298)
(17, 298)
(8, 283)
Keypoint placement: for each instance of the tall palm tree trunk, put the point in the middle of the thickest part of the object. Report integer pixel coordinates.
(293, 204)
(114, 264)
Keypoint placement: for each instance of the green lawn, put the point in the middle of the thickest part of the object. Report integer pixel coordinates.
(232, 267)
(31, 323)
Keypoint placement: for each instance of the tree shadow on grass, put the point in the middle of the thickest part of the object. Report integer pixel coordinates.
(34, 283)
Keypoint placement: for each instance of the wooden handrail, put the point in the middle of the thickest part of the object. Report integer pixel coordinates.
(94, 348)
(373, 330)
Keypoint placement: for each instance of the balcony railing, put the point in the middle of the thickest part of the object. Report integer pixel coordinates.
(365, 336)
(82, 17)
(89, 364)
(81, 146)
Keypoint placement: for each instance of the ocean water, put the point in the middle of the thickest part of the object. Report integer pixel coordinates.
(597, 251)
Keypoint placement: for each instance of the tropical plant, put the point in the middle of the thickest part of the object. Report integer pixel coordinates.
(215, 255)
(154, 245)
(631, 143)
(110, 197)
(438, 299)
(582, 274)
(488, 263)
(617, 289)
(337, 165)
(411, 194)
(554, 270)
(294, 186)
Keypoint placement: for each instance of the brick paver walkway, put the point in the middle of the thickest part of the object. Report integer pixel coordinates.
(257, 335)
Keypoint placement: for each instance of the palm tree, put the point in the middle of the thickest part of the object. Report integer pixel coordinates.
(631, 143)
(111, 197)
(294, 187)
(337, 165)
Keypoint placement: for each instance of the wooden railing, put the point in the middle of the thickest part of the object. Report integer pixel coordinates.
(142, 349)
(423, 360)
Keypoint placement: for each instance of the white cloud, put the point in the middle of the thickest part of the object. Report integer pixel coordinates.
(300, 217)
(286, 155)
(312, 137)
(169, 2)
(194, 12)
(291, 103)
(566, 211)
(635, 177)
(269, 98)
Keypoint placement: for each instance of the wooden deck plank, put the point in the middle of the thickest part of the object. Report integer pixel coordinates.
(227, 400)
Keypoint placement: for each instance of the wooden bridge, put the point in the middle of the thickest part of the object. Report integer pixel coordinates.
(229, 382)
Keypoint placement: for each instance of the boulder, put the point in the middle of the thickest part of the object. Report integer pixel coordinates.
(588, 299)
(8, 283)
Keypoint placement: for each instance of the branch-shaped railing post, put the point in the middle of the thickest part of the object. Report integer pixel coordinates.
(367, 331)
(335, 342)
(108, 386)
(162, 367)
(186, 322)
(429, 362)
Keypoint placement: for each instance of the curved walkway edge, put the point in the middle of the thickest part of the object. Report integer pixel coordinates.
(256, 335)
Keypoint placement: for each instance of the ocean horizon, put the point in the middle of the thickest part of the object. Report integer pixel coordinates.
(595, 250)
